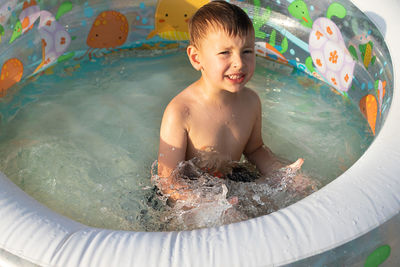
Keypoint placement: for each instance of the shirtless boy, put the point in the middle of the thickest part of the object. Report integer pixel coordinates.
(217, 115)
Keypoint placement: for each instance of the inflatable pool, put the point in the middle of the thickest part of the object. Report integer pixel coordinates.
(353, 220)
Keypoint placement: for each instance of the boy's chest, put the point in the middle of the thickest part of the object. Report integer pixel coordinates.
(225, 131)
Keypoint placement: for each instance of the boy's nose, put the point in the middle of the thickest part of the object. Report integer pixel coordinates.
(237, 62)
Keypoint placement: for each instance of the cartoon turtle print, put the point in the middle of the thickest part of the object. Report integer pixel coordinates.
(326, 45)
(329, 54)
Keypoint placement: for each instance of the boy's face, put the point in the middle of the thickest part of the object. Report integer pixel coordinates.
(226, 62)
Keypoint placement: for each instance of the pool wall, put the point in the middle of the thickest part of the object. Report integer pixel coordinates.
(353, 220)
(337, 45)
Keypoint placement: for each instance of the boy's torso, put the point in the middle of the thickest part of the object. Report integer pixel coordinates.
(219, 129)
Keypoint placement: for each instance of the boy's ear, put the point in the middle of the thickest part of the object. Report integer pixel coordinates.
(193, 54)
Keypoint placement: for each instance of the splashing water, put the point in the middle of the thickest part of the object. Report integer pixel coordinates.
(207, 200)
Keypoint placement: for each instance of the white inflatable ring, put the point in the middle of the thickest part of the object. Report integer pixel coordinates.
(360, 200)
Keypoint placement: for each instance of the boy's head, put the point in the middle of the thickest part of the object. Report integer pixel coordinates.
(222, 46)
(219, 15)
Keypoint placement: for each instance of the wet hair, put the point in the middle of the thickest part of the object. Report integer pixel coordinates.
(219, 15)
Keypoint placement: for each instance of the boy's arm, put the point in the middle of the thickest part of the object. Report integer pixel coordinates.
(255, 151)
(259, 154)
(173, 143)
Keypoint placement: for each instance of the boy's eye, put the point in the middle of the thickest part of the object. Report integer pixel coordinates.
(249, 51)
(224, 53)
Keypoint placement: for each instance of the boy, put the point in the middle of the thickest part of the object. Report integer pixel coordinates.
(217, 117)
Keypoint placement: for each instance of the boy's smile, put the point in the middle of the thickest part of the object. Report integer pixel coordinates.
(226, 62)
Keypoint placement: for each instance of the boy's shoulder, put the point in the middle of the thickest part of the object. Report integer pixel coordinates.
(251, 97)
(251, 93)
(179, 106)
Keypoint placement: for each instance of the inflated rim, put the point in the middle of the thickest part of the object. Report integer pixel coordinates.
(367, 193)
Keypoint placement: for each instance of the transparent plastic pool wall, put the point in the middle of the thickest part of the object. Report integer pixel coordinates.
(331, 41)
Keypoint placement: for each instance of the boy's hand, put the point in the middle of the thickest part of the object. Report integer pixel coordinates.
(279, 173)
(301, 183)
(279, 165)
(295, 166)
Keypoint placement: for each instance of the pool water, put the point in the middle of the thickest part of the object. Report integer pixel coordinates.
(82, 137)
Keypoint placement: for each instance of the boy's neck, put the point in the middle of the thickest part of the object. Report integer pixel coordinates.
(210, 93)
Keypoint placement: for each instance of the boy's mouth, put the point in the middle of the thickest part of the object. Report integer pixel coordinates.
(236, 78)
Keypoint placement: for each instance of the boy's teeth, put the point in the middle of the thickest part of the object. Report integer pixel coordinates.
(234, 77)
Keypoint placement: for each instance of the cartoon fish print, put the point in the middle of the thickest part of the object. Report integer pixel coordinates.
(11, 73)
(172, 16)
(264, 49)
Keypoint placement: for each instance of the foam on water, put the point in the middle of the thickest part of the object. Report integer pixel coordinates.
(82, 141)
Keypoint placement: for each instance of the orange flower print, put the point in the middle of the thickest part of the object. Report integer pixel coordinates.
(319, 63)
(346, 78)
(62, 41)
(319, 35)
(329, 30)
(333, 57)
(334, 81)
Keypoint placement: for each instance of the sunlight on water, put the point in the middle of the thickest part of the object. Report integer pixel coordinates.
(84, 139)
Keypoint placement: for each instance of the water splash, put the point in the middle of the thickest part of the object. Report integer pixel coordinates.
(207, 201)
